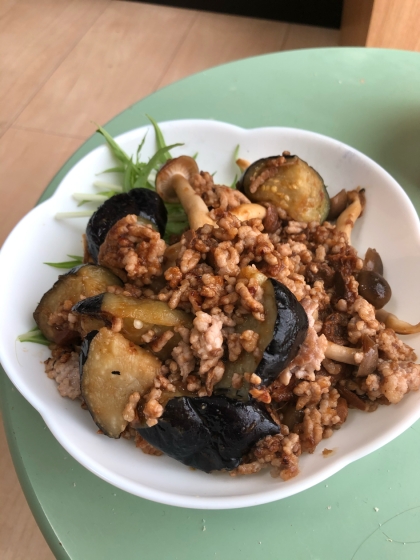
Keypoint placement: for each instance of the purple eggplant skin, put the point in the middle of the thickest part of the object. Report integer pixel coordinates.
(90, 306)
(290, 184)
(144, 203)
(84, 280)
(151, 207)
(209, 433)
(84, 349)
(290, 331)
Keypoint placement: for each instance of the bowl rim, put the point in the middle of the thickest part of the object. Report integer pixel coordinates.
(181, 500)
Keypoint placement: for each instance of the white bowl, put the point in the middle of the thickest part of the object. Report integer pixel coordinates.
(390, 225)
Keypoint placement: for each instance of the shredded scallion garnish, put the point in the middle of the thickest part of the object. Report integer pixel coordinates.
(76, 260)
(81, 214)
(107, 186)
(138, 174)
(34, 335)
(235, 157)
(85, 197)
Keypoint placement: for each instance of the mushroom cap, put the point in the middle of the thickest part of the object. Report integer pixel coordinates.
(185, 166)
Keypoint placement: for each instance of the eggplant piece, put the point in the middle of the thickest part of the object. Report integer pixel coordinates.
(290, 183)
(289, 332)
(82, 281)
(209, 433)
(144, 203)
(112, 368)
(138, 315)
(281, 334)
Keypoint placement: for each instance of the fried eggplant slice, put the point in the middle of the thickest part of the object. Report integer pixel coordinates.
(290, 329)
(289, 183)
(112, 368)
(80, 282)
(209, 433)
(138, 316)
(280, 336)
(144, 203)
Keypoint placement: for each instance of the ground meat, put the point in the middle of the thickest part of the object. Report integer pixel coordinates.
(214, 274)
(318, 294)
(394, 348)
(310, 392)
(342, 411)
(207, 340)
(261, 394)
(63, 366)
(328, 408)
(393, 381)
(189, 260)
(249, 301)
(270, 170)
(281, 392)
(62, 318)
(355, 396)
(214, 375)
(184, 358)
(234, 346)
(335, 328)
(146, 447)
(363, 321)
(311, 352)
(152, 408)
(129, 412)
(310, 431)
(133, 251)
(249, 340)
(226, 259)
(129, 290)
(217, 196)
(280, 452)
(158, 344)
(295, 227)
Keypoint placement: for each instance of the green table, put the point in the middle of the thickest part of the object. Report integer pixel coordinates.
(369, 99)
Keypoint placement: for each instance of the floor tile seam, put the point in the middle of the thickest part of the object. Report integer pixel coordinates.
(182, 41)
(45, 131)
(54, 70)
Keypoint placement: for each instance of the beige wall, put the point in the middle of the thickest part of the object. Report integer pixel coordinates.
(393, 24)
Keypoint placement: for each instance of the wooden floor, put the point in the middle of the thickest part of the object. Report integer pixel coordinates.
(66, 63)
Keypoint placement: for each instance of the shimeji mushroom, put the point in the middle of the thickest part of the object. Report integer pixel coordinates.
(342, 354)
(347, 219)
(338, 204)
(172, 184)
(393, 322)
(365, 357)
(249, 211)
(243, 164)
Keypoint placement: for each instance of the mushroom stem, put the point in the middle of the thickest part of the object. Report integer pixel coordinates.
(393, 322)
(173, 185)
(341, 353)
(249, 211)
(194, 206)
(347, 219)
(243, 164)
(171, 255)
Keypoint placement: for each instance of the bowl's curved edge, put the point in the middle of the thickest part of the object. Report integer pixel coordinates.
(205, 502)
